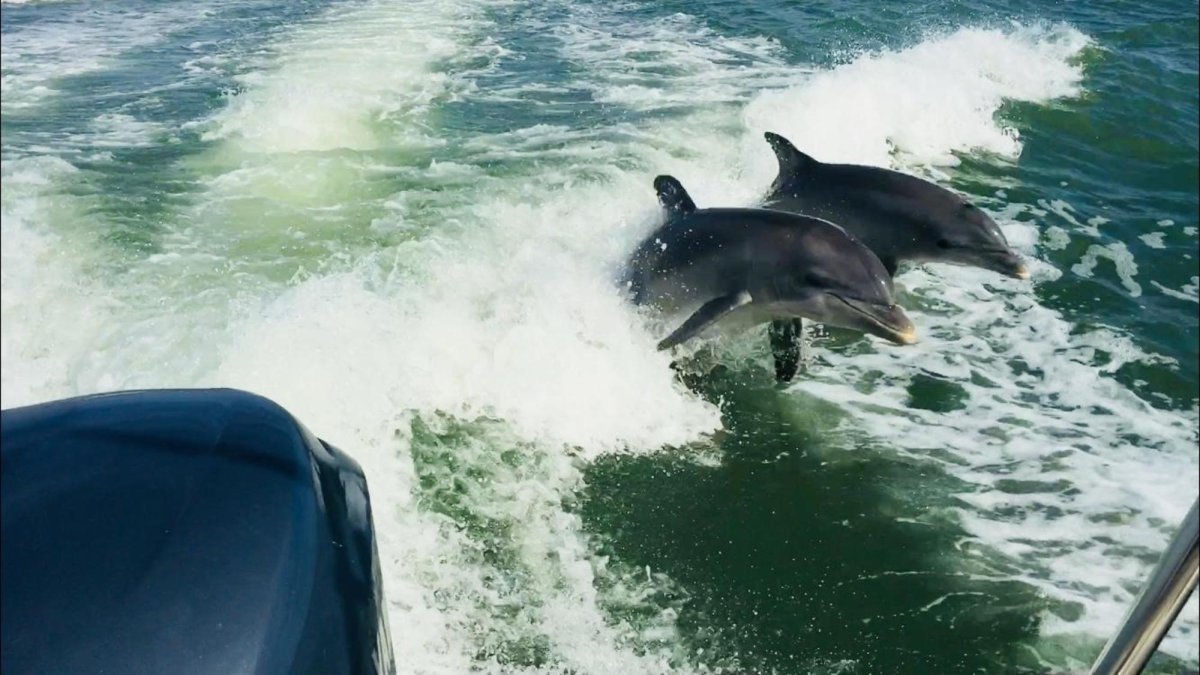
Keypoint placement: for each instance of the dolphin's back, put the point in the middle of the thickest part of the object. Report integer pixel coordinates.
(887, 210)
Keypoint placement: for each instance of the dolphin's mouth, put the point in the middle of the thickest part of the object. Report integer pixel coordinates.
(890, 321)
(1008, 263)
(1001, 260)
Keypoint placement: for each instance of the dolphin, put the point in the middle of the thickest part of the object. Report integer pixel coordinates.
(901, 218)
(739, 267)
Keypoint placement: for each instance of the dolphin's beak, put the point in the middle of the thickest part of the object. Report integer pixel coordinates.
(888, 322)
(908, 336)
(900, 328)
(1005, 262)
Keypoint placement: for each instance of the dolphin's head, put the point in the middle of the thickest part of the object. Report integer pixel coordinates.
(836, 280)
(960, 232)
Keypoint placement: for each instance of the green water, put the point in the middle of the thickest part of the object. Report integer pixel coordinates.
(404, 222)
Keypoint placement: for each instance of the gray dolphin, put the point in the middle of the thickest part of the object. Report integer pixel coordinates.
(901, 218)
(745, 266)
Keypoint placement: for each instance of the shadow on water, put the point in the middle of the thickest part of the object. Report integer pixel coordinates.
(799, 556)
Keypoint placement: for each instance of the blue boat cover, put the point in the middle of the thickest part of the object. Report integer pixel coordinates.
(183, 531)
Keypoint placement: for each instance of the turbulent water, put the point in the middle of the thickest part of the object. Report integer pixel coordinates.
(404, 222)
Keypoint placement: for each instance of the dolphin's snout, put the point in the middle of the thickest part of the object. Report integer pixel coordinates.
(885, 321)
(1005, 262)
(901, 328)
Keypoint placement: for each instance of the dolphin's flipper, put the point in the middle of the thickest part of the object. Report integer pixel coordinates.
(787, 346)
(792, 162)
(704, 317)
(673, 197)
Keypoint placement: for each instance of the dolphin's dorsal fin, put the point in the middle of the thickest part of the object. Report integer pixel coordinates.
(673, 197)
(792, 162)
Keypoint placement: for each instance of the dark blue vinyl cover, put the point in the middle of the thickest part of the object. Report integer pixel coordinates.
(183, 531)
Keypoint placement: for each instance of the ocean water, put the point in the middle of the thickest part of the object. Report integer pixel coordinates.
(403, 221)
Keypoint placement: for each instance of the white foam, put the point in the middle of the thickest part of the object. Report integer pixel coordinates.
(626, 60)
(1094, 222)
(1121, 258)
(1125, 457)
(38, 55)
(43, 288)
(120, 130)
(325, 88)
(1187, 292)
(1056, 238)
(1153, 239)
(926, 102)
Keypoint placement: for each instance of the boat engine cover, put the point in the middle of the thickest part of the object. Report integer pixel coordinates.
(183, 531)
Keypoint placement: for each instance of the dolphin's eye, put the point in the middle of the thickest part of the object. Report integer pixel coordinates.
(815, 280)
(944, 244)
